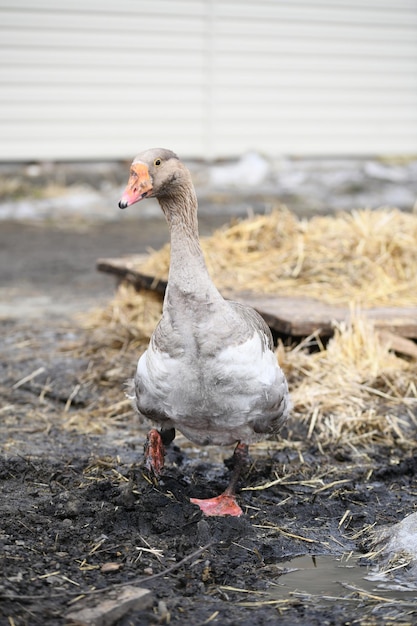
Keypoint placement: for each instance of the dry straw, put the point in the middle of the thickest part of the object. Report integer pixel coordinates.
(353, 392)
(366, 257)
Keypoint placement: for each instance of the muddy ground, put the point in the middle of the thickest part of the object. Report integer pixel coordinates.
(82, 526)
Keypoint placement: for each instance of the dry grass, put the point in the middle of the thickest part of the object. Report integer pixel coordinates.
(353, 392)
(365, 257)
(115, 337)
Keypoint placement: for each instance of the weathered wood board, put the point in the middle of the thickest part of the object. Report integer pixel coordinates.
(297, 316)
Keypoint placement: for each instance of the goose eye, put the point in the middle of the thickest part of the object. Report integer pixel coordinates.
(157, 162)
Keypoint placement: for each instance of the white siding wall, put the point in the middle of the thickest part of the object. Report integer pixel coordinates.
(83, 79)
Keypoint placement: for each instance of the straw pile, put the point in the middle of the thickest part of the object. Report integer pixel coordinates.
(115, 337)
(365, 257)
(353, 392)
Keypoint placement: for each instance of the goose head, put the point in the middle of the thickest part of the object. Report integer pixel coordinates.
(154, 173)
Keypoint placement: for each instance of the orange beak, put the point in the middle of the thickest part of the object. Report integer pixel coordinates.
(138, 187)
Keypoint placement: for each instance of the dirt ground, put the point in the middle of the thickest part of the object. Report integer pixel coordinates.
(83, 528)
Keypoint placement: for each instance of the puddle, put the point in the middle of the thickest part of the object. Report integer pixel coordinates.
(329, 578)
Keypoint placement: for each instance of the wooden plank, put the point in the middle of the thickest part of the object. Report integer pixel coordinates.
(399, 344)
(301, 316)
(297, 316)
(126, 269)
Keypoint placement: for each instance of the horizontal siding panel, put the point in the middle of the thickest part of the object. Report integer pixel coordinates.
(301, 131)
(94, 79)
(84, 76)
(309, 73)
(96, 146)
(314, 80)
(355, 119)
(324, 63)
(140, 26)
(65, 39)
(196, 147)
(96, 113)
(15, 95)
(126, 7)
(317, 46)
(327, 98)
(140, 22)
(236, 146)
(195, 7)
(322, 13)
(122, 148)
(124, 59)
(99, 113)
(297, 110)
(307, 131)
(259, 80)
(304, 128)
(225, 99)
(110, 59)
(305, 29)
(84, 129)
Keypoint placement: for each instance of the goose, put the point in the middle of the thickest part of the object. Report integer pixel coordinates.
(210, 370)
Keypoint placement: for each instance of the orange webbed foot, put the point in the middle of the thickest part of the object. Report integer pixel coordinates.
(225, 504)
(154, 453)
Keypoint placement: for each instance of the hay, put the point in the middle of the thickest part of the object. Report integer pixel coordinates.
(355, 391)
(128, 320)
(365, 257)
(114, 338)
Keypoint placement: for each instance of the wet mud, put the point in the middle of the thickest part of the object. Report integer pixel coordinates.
(82, 526)
(81, 522)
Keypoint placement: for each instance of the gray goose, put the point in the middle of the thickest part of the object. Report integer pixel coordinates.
(209, 370)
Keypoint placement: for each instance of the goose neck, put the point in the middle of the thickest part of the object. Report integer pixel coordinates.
(188, 272)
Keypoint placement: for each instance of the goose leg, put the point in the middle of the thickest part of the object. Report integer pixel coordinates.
(155, 449)
(226, 503)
